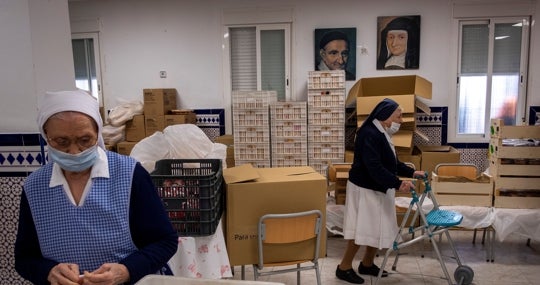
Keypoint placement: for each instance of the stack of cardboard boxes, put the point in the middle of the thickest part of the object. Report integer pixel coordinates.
(159, 113)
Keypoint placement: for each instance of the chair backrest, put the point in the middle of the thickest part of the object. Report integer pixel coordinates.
(410, 164)
(457, 169)
(282, 229)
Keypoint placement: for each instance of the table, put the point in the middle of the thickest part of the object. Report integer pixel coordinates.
(202, 257)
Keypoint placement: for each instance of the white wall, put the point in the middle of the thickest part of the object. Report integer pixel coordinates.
(141, 37)
(35, 56)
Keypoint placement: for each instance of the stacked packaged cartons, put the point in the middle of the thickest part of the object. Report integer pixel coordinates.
(288, 122)
(158, 102)
(251, 127)
(406, 91)
(514, 153)
(326, 119)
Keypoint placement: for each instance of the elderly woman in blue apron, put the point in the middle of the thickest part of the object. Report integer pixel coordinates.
(90, 216)
(370, 213)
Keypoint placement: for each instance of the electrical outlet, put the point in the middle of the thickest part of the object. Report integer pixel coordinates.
(163, 74)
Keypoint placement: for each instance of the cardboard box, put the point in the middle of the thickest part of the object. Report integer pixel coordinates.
(110, 147)
(153, 124)
(433, 155)
(227, 140)
(392, 85)
(135, 130)
(125, 147)
(349, 156)
(457, 191)
(338, 174)
(415, 158)
(340, 196)
(406, 90)
(188, 118)
(158, 102)
(252, 192)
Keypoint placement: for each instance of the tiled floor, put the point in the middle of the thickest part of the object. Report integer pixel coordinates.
(515, 263)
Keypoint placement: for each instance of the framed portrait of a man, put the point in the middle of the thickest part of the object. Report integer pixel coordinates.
(335, 49)
(398, 42)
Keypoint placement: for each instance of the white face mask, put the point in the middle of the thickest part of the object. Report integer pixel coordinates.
(393, 128)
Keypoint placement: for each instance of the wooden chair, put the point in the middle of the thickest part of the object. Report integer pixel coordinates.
(457, 169)
(285, 231)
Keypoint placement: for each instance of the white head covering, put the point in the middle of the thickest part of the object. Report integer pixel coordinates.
(75, 100)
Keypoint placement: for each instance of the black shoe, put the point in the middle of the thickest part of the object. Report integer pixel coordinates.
(349, 276)
(372, 270)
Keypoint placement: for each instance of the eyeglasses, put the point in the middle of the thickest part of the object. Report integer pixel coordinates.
(64, 143)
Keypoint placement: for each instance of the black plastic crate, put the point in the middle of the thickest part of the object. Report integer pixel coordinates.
(192, 193)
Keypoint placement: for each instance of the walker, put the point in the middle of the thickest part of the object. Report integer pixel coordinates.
(436, 222)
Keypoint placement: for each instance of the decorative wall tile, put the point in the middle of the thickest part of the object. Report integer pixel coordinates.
(10, 192)
(432, 133)
(476, 156)
(211, 121)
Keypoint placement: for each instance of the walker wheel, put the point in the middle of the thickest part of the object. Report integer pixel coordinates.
(464, 275)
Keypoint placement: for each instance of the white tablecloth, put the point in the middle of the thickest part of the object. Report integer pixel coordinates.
(525, 222)
(202, 257)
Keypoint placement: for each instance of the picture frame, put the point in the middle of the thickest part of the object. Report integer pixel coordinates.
(335, 49)
(398, 42)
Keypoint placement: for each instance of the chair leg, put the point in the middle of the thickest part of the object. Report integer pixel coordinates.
(298, 274)
(318, 274)
(255, 272)
(474, 237)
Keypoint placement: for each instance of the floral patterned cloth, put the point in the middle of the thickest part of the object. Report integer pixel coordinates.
(202, 257)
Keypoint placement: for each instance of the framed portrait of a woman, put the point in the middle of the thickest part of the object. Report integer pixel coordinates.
(335, 49)
(398, 43)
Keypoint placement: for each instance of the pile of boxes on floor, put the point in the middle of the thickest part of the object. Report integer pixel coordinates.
(159, 111)
(410, 92)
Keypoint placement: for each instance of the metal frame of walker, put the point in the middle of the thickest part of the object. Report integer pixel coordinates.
(435, 222)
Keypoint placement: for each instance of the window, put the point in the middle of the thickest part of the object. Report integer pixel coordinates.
(491, 78)
(86, 60)
(259, 58)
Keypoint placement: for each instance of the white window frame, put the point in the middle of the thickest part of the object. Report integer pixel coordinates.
(227, 63)
(97, 59)
(453, 122)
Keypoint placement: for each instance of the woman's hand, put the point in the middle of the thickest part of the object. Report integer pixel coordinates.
(406, 186)
(64, 274)
(107, 274)
(419, 174)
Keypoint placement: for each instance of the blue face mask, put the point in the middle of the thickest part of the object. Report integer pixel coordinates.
(74, 162)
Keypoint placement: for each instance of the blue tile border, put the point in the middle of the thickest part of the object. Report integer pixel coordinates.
(470, 145)
(20, 139)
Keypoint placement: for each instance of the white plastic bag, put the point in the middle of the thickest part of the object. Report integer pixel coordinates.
(184, 141)
(124, 112)
(113, 135)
